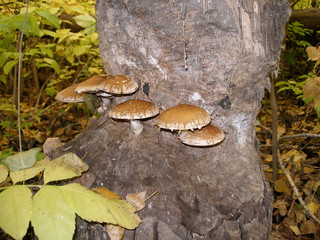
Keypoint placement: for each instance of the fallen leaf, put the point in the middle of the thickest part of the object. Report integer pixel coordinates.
(313, 207)
(308, 227)
(308, 170)
(281, 186)
(115, 232)
(295, 230)
(137, 199)
(282, 206)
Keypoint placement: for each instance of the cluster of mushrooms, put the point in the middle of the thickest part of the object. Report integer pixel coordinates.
(191, 122)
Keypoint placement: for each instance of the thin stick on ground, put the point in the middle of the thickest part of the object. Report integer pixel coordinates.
(304, 135)
(295, 189)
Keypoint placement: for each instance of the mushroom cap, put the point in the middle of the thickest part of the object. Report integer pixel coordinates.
(118, 84)
(134, 109)
(69, 95)
(183, 117)
(91, 84)
(207, 136)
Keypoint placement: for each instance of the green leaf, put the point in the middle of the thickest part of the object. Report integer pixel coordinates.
(3, 173)
(25, 174)
(52, 18)
(76, 9)
(21, 160)
(90, 30)
(64, 167)
(48, 32)
(92, 206)
(15, 210)
(52, 63)
(85, 21)
(9, 65)
(79, 50)
(281, 83)
(52, 218)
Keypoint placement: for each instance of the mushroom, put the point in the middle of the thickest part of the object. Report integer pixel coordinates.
(118, 84)
(107, 86)
(134, 110)
(69, 95)
(183, 117)
(207, 136)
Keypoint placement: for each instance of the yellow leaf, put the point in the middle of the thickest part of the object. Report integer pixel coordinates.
(295, 230)
(313, 207)
(28, 173)
(107, 193)
(64, 167)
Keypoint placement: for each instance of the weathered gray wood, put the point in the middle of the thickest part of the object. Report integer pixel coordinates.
(310, 18)
(215, 54)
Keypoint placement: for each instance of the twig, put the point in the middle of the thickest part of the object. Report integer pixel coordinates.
(266, 129)
(299, 136)
(19, 77)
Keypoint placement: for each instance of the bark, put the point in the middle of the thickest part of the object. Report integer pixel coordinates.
(310, 18)
(213, 54)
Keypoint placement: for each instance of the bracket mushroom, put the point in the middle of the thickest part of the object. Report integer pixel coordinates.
(183, 117)
(106, 86)
(207, 136)
(134, 110)
(68, 95)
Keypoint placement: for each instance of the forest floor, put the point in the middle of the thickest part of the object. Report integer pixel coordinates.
(301, 155)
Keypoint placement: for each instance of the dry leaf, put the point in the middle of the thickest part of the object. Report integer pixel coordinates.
(115, 232)
(137, 200)
(50, 145)
(281, 186)
(299, 157)
(295, 230)
(308, 227)
(282, 206)
(281, 130)
(313, 53)
(308, 170)
(312, 89)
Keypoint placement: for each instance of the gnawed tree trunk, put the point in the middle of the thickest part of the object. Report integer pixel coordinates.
(213, 54)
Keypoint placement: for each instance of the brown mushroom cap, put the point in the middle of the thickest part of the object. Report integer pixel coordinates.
(183, 117)
(118, 84)
(69, 95)
(207, 136)
(91, 85)
(134, 109)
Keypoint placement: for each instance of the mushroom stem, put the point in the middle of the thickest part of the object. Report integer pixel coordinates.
(136, 126)
(105, 103)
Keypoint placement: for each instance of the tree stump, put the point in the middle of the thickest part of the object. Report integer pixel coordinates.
(212, 54)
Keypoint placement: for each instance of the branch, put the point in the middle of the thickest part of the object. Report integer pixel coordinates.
(299, 136)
